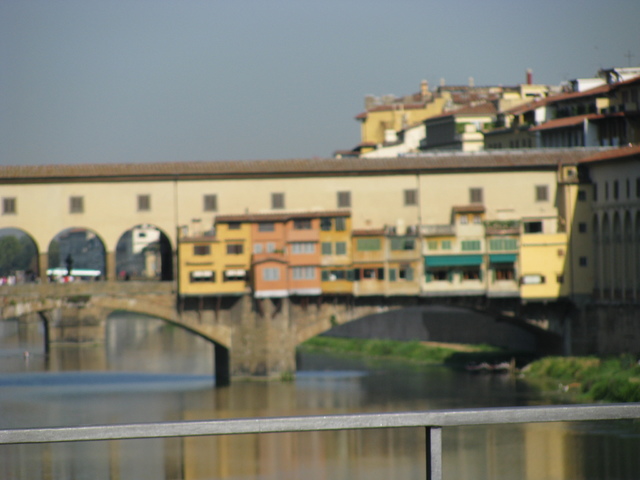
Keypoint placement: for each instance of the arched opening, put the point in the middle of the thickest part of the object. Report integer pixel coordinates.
(617, 264)
(76, 253)
(636, 262)
(628, 256)
(18, 257)
(144, 252)
(607, 263)
(597, 257)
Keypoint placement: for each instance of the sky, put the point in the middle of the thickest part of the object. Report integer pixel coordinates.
(90, 81)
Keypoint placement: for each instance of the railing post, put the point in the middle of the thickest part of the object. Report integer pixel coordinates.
(434, 453)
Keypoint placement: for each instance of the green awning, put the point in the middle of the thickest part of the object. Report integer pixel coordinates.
(452, 260)
(503, 258)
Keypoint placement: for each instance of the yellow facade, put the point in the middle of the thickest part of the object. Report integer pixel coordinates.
(336, 249)
(397, 117)
(543, 265)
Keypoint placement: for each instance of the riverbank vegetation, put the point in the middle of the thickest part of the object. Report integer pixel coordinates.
(454, 355)
(588, 378)
(583, 379)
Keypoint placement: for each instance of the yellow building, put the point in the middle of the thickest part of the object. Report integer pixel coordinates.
(335, 249)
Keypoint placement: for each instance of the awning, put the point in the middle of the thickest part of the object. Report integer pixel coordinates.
(452, 260)
(503, 258)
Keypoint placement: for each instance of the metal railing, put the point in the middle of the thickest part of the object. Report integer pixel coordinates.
(432, 421)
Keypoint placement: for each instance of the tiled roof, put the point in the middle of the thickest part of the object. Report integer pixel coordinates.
(473, 208)
(280, 216)
(393, 106)
(368, 232)
(296, 168)
(615, 154)
(566, 122)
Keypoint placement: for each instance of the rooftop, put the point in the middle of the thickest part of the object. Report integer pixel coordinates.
(297, 168)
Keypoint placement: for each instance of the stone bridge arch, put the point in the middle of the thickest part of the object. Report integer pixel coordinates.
(469, 321)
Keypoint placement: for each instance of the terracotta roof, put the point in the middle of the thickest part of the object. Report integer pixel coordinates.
(566, 122)
(280, 217)
(615, 154)
(392, 106)
(473, 208)
(294, 168)
(372, 232)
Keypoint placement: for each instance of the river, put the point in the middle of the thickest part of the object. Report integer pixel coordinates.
(151, 372)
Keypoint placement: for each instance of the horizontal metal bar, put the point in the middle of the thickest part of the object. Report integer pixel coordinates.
(437, 418)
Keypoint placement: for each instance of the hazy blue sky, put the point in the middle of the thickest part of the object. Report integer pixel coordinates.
(92, 81)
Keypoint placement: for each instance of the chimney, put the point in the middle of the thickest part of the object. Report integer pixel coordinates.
(529, 76)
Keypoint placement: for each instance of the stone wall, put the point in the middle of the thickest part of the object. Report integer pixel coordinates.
(606, 330)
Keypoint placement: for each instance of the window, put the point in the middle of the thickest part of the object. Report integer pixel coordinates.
(303, 273)
(211, 203)
(302, 224)
(471, 273)
(410, 197)
(432, 244)
(469, 245)
(257, 248)
(341, 248)
(372, 274)
(532, 227)
(477, 219)
(341, 224)
(582, 227)
(233, 225)
(8, 205)
(368, 244)
(234, 275)
(277, 201)
(201, 249)
(503, 244)
(76, 205)
(202, 276)
(235, 248)
(327, 248)
(271, 274)
(344, 199)
(405, 272)
(446, 244)
(326, 224)
(400, 243)
(303, 247)
(595, 192)
(638, 187)
(475, 195)
(542, 193)
(606, 190)
(333, 275)
(266, 227)
(504, 272)
(463, 219)
(582, 261)
(439, 275)
(616, 190)
(582, 195)
(144, 203)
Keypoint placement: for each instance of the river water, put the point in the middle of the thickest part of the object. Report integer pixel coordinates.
(151, 372)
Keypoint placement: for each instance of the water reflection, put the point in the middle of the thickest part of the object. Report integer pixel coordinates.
(150, 373)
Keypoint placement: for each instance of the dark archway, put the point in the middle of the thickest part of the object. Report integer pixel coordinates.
(19, 259)
(144, 252)
(79, 252)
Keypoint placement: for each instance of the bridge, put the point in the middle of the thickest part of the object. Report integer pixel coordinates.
(251, 337)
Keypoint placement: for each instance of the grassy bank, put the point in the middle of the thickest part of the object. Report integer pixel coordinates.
(588, 378)
(422, 352)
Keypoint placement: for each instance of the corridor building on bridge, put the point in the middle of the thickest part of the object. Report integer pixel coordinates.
(535, 224)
